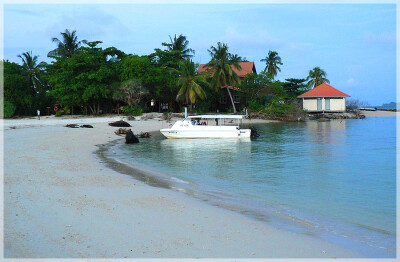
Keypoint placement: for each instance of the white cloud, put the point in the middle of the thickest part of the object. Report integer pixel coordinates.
(349, 82)
(381, 38)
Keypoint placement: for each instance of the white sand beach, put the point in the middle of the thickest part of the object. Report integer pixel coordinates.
(60, 201)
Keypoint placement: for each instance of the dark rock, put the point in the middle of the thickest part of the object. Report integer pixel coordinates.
(130, 138)
(131, 118)
(120, 123)
(86, 126)
(72, 126)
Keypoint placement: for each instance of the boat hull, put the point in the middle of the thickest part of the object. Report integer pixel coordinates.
(237, 133)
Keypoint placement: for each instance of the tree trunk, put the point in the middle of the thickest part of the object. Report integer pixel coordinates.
(188, 100)
(93, 109)
(72, 110)
(233, 103)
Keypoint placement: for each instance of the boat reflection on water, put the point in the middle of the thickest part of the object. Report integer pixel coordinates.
(223, 149)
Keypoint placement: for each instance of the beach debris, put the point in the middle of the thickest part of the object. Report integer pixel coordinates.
(167, 116)
(120, 123)
(144, 135)
(77, 126)
(121, 131)
(72, 126)
(144, 118)
(130, 138)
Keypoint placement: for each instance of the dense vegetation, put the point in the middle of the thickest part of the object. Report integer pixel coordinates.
(85, 78)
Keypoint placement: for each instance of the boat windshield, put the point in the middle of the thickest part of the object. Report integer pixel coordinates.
(215, 121)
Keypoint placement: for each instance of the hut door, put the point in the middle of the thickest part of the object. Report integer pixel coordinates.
(327, 104)
(319, 104)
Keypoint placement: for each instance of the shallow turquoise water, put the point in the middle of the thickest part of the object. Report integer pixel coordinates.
(335, 180)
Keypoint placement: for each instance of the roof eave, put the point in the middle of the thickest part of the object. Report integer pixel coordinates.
(320, 96)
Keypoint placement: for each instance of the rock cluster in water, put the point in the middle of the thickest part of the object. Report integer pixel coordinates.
(130, 138)
(346, 115)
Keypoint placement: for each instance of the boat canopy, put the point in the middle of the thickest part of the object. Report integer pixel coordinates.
(218, 116)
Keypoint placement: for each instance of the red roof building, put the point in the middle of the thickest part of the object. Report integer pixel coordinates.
(324, 90)
(247, 68)
(324, 98)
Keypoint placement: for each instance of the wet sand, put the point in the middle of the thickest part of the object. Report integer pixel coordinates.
(61, 201)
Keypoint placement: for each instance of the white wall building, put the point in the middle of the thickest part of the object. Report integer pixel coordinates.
(324, 98)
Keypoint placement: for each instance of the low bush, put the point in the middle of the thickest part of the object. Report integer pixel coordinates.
(132, 110)
(285, 112)
(256, 106)
(66, 110)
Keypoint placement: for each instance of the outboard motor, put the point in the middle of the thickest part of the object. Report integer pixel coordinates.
(254, 133)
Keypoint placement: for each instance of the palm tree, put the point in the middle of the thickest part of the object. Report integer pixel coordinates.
(67, 46)
(221, 67)
(316, 77)
(190, 82)
(33, 69)
(180, 46)
(272, 61)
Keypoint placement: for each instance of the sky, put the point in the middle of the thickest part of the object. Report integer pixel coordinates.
(354, 43)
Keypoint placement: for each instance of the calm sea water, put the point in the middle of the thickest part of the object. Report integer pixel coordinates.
(335, 180)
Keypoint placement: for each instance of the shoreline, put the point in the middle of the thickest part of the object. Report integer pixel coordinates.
(54, 187)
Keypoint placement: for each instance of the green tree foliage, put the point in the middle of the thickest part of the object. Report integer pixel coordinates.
(295, 87)
(85, 78)
(179, 47)
(162, 84)
(157, 78)
(33, 70)
(174, 52)
(272, 61)
(316, 77)
(17, 90)
(278, 92)
(35, 73)
(67, 46)
(254, 86)
(220, 68)
(190, 82)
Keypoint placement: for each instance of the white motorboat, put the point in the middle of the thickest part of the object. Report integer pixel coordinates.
(208, 126)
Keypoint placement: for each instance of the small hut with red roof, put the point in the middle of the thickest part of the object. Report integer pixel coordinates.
(324, 98)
